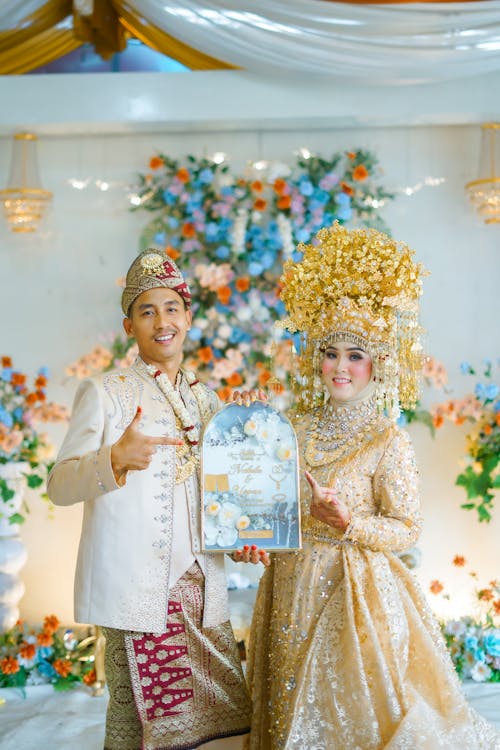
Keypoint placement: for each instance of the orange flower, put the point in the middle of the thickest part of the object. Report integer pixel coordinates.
(9, 665)
(27, 650)
(188, 229)
(486, 595)
(41, 381)
(496, 606)
(260, 204)
(235, 379)
(459, 561)
(18, 379)
(50, 624)
(31, 398)
(351, 154)
(62, 667)
(183, 175)
(44, 639)
(285, 201)
(224, 393)
(346, 188)
(279, 186)
(172, 252)
(487, 429)
(6, 362)
(242, 284)
(436, 587)
(360, 173)
(155, 162)
(437, 420)
(257, 186)
(224, 294)
(205, 354)
(263, 377)
(498, 418)
(40, 396)
(90, 677)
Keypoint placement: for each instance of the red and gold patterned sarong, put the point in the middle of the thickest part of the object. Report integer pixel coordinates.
(184, 687)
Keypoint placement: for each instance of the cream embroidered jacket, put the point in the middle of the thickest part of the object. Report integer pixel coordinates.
(126, 541)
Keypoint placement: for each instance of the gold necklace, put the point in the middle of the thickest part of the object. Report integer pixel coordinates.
(337, 431)
(184, 468)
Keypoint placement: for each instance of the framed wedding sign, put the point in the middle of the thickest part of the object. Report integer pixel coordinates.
(249, 479)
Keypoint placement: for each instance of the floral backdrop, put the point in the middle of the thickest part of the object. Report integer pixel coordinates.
(230, 234)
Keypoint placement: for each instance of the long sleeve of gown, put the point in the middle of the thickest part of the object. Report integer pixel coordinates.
(397, 524)
(83, 468)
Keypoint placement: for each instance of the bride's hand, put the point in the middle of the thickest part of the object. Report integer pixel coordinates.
(326, 507)
(251, 555)
(246, 398)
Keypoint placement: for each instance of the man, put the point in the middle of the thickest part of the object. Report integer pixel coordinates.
(131, 456)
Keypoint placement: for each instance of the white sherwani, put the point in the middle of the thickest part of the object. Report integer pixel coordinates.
(129, 547)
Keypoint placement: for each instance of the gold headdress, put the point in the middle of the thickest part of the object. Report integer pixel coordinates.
(362, 286)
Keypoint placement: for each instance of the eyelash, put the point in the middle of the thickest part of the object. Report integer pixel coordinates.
(352, 357)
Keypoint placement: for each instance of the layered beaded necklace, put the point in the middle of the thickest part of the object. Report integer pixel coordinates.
(187, 454)
(336, 430)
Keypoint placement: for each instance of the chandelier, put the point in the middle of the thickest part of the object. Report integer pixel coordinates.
(24, 200)
(484, 193)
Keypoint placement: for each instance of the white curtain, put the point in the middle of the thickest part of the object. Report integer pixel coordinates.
(417, 43)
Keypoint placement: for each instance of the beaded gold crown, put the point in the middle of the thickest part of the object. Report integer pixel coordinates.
(358, 285)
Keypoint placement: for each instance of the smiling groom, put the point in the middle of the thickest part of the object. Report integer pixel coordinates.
(131, 456)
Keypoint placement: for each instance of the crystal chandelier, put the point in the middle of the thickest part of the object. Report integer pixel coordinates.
(24, 200)
(484, 193)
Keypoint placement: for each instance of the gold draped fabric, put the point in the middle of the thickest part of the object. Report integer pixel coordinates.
(56, 28)
(345, 652)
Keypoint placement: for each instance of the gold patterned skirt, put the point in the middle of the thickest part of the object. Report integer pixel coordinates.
(177, 690)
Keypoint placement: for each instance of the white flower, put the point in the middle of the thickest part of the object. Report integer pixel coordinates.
(285, 453)
(212, 509)
(224, 331)
(456, 628)
(226, 537)
(250, 427)
(243, 522)
(228, 515)
(480, 672)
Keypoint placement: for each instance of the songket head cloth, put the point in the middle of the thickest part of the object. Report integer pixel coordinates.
(363, 287)
(151, 269)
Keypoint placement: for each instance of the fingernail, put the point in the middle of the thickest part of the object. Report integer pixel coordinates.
(246, 547)
(262, 552)
(253, 547)
(139, 410)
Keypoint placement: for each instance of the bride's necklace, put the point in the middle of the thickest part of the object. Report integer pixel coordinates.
(336, 430)
(187, 454)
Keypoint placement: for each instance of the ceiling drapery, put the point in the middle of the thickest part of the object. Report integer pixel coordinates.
(397, 41)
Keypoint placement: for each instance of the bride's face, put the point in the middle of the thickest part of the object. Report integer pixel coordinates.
(345, 370)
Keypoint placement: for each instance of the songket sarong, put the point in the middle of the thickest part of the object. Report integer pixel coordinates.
(177, 690)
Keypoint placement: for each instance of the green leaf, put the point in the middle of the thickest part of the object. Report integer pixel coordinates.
(34, 480)
(16, 518)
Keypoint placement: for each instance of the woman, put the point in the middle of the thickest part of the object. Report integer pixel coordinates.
(345, 653)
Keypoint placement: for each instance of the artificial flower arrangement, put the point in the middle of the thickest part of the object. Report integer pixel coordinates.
(474, 640)
(36, 656)
(21, 408)
(481, 476)
(230, 234)
(434, 375)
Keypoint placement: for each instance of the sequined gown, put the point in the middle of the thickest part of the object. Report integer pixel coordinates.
(345, 653)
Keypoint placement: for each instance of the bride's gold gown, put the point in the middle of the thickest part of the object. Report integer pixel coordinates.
(345, 653)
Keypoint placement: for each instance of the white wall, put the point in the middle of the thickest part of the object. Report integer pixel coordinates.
(59, 296)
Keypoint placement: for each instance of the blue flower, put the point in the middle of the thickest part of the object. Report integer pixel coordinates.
(222, 252)
(306, 187)
(5, 417)
(169, 198)
(303, 235)
(195, 333)
(480, 391)
(465, 368)
(206, 176)
(44, 371)
(173, 222)
(491, 641)
(46, 669)
(267, 260)
(160, 238)
(211, 231)
(402, 420)
(344, 213)
(227, 190)
(471, 643)
(343, 199)
(45, 652)
(255, 269)
(17, 414)
(6, 374)
(491, 391)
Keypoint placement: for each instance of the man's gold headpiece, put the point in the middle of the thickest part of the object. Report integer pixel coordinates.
(358, 285)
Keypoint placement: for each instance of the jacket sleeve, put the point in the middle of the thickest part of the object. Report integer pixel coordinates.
(398, 523)
(83, 468)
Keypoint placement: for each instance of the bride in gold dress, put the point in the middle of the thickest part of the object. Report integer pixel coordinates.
(345, 653)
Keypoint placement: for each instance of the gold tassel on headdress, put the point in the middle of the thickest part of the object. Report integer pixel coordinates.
(358, 285)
